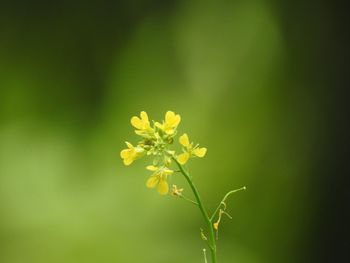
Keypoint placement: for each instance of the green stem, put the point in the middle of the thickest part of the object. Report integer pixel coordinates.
(212, 242)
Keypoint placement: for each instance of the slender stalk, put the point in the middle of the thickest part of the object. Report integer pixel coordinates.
(224, 199)
(188, 200)
(212, 242)
(205, 256)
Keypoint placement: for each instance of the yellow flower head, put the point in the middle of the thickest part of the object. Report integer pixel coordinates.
(131, 154)
(156, 142)
(141, 124)
(170, 124)
(158, 178)
(189, 150)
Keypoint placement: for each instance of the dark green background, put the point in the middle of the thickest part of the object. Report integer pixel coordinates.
(256, 82)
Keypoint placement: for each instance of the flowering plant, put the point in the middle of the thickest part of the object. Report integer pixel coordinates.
(156, 142)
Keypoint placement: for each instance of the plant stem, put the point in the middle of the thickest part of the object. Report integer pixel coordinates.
(212, 242)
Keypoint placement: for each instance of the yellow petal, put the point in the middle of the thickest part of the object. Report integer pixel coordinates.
(163, 187)
(152, 181)
(136, 122)
(171, 119)
(144, 116)
(128, 161)
(152, 168)
(125, 153)
(184, 141)
(200, 152)
(177, 120)
(169, 115)
(183, 158)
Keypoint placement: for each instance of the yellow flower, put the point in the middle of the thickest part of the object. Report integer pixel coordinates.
(141, 124)
(131, 154)
(158, 178)
(170, 124)
(176, 191)
(189, 150)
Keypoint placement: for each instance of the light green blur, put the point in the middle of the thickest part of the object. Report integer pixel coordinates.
(65, 195)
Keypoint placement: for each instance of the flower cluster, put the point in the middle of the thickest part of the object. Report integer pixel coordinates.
(157, 139)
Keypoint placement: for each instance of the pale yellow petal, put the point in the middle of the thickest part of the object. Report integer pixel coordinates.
(152, 168)
(152, 181)
(183, 158)
(163, 187)
(136, 122)
(144, 116)
(200, 152)
(184, 141)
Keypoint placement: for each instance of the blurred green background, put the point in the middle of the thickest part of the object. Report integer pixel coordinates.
(248, 79)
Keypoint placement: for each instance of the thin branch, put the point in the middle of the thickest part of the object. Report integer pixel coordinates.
(189, 200)
(224, 199)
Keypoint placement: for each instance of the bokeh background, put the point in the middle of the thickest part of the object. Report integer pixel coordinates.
(256, 82)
